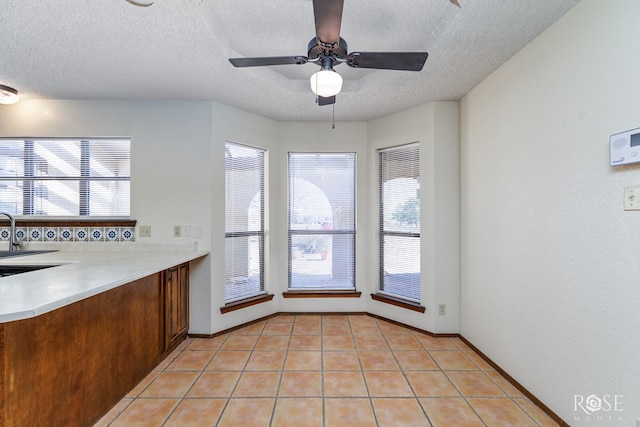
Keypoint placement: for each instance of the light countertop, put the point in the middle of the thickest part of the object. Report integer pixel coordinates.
(78, 275)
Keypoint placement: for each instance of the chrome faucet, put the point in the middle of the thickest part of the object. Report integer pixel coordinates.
(12, 235)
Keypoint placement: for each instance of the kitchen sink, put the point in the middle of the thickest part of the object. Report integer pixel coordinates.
(10, 270)
(7, 254)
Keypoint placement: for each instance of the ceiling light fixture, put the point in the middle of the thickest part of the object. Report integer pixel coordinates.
(141, 3)
(326, 83)
(8, 95)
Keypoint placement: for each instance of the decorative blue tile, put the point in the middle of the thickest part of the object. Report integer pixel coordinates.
(66, 234)
(21, 234)
(81, 234)
(127, 234)
(69, 234)
(51, 234)
(97, 234)
(111, 234)
(35, 234)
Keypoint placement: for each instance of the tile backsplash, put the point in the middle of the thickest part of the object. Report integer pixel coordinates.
(70, 234)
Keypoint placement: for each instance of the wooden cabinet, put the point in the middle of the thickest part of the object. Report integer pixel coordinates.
(69, 366)
(176, 305)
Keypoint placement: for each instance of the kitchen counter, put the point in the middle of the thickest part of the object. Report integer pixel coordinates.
(77, 276)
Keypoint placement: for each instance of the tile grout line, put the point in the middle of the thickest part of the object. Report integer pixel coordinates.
(404, 374)
(228, 399)
(202, 371)
(465, 398)
(364, 377)
(394, 353)
(444, 372)
(506, 395)
(322, 383)
(282, 371)
(186, 391)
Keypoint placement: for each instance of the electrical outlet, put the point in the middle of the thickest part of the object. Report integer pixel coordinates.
(442, 309)
(177, 231)
(632, 198)
(145, 231)
(186, 230)
(197, 231)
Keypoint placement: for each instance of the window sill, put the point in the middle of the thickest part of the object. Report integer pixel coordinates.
(247, 302)
(26, 221)
(321, 294)
(398, 302)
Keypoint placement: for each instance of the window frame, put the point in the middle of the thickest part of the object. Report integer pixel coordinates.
(320, 290)
(239, 301)
(385, 295)
(84, 179)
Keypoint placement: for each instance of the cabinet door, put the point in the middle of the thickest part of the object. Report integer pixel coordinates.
(176, 304)
(183, 275)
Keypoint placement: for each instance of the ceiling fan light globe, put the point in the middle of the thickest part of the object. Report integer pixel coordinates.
(141, 3)
(326, 83)
(8, 95)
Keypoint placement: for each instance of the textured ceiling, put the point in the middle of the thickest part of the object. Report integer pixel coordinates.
(178, 49)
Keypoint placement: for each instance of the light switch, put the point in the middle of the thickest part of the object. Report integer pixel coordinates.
(632, 198)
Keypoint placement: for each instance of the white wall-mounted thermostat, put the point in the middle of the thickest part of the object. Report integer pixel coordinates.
(625, 147)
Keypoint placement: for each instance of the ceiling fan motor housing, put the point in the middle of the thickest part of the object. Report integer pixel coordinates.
(318, 48)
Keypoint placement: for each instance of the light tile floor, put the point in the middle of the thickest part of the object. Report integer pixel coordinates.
(329, 370)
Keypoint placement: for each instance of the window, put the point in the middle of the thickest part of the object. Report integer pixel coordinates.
(65, 177)
(400, 222)
(322, 221)
(244, 222)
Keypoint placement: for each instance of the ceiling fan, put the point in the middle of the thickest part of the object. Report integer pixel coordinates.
(327, 49)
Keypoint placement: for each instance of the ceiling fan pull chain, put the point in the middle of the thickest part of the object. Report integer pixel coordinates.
(333, 115)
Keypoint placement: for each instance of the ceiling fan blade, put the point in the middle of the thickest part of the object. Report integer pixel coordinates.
(408, 61)
(269, 60)
(322, 100)
(328, 17)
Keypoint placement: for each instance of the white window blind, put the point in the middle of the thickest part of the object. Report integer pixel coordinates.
(322, 225)
(244, 221)
(65, 177)
(400, 222)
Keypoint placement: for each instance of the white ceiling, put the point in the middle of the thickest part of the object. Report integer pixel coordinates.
(178, 49)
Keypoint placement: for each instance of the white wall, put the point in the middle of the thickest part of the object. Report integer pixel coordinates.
(320, 137)
(230, 124)
(435, 127)
(550, 261)
(169, 152)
